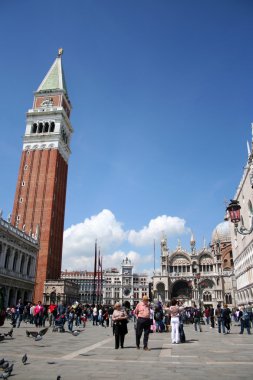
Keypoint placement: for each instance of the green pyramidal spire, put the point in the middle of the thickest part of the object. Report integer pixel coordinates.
(54, 80)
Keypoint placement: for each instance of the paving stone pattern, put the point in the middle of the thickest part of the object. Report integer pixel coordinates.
(91, 355)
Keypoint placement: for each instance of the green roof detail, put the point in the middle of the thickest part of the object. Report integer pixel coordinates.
(55, 79)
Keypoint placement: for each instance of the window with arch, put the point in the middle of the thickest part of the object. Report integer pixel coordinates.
(14, 266)
(22, 264)
(7, 258)
(207, 297)
(250, 207)
(228, 298)
(40, 129)
(29, 266)
(34, 128)
(46, 127)
(52, 126)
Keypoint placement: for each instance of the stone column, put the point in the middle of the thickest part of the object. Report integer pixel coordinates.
(3, 256)
(6, 298)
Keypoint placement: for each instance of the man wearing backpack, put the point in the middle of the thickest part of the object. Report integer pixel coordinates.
(197, 316)
(245, 320)
(226, 317)
(158, 317)
(220, 319)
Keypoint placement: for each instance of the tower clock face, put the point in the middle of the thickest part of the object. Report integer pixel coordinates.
(126, 292)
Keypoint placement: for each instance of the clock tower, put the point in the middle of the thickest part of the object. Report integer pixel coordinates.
(39, 203)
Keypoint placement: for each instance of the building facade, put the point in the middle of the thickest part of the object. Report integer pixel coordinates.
(18, 255)
(90, 291)
(59, 291)
(39, 203)
(243, 244)
(124, 285)
(113, 285)
(197, 276)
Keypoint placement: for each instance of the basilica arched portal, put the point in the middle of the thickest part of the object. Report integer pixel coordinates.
(181, 290)
(160, 291)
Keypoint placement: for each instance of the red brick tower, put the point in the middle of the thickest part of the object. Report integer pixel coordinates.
(39, 203)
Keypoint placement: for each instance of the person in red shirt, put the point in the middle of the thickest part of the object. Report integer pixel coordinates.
(52, 312)
(142, 312)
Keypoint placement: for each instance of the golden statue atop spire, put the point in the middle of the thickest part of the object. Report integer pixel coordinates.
(60, 52)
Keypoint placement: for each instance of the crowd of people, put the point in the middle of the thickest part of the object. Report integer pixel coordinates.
(147, 317)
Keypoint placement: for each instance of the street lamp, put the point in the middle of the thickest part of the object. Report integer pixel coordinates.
(197, 283)
(197, 276)
(235, 217)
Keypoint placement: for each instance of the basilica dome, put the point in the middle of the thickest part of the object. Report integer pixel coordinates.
(221, 232)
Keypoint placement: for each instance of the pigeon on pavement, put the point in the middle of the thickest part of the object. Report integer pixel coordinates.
(5, 365)
(5, 375)
(9, 333)
(9, 369)
(24, 359)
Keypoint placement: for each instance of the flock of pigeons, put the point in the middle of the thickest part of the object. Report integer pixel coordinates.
(5, 365)
(8, 368)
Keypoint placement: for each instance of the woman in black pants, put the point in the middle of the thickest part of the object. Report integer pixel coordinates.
(119, 318)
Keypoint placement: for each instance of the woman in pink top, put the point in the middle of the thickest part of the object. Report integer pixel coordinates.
(174, 310)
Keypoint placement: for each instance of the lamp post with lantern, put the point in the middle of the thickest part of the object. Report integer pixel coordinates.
(198, 285)
(235, 217)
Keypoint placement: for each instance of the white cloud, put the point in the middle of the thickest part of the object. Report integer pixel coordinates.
(168, 225)
(79, 241)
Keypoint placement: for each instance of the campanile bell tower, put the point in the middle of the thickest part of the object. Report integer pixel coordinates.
(39, 203)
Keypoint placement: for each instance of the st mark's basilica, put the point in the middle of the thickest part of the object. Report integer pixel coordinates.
(197, 276)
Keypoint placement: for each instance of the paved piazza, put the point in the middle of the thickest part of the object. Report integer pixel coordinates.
(91, 355)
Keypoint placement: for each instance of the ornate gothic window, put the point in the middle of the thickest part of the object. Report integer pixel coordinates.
(207, 297)
(228, 298)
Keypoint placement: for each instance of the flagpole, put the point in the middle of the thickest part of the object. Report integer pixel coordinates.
(98, 283)
(154, 255)
(101, 268)
(95, 274)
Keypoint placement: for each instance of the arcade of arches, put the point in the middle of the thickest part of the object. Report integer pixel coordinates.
(193, 277)
(18, 254)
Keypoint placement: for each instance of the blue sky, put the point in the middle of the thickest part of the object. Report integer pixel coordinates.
(162, 106)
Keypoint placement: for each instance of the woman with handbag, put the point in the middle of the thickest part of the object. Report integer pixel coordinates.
(119, 318)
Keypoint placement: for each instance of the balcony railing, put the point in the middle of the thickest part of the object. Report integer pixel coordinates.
(16, 275)
(18, 232)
